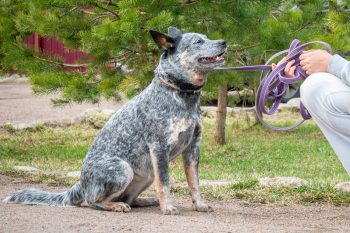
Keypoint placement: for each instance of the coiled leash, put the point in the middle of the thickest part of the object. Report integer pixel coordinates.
(274, 84)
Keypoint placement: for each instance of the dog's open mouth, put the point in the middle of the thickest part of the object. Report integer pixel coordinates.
(215, 59)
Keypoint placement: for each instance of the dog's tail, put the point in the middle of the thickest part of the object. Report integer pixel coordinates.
(31, 196)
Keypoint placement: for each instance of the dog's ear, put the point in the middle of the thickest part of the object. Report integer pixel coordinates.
(174, 32)
(163, 41)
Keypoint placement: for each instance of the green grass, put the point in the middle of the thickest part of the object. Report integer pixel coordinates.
(249, 154)
(49, 149)
(258, 152)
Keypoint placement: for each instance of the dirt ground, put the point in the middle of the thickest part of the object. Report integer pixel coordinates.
(18, 105)
(233, 216)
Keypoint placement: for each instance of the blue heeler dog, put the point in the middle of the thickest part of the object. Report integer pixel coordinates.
(135, 146)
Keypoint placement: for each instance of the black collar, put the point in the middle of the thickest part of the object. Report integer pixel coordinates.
(168, 84)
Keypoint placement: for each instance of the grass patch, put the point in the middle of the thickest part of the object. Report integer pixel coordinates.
(251, 192)
(249, 154)
(46, 148)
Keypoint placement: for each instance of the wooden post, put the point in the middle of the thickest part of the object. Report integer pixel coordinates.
(36, 42)
(221, 115)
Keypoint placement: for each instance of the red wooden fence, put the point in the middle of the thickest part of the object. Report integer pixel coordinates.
(52, 47)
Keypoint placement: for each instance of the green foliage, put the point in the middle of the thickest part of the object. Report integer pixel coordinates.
(337, 23)
(118, 31)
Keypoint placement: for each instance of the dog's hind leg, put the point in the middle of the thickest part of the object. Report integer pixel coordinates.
(145, 201)
(107, 183)
(111, 206)
(139, 183)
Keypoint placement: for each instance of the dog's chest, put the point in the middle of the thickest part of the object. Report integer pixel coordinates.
(180, 129)
(180, 133)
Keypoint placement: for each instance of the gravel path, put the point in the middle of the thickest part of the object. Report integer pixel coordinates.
(230, 216)
(19, 105)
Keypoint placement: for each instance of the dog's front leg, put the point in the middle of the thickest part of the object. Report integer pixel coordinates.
(191, 161)
(160, 162)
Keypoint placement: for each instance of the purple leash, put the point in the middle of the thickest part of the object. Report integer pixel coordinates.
(274, 84)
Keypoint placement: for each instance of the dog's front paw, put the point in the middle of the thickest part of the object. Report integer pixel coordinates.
(170, 210)
(202, 207)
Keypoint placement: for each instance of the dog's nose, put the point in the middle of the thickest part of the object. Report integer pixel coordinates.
(223, 43)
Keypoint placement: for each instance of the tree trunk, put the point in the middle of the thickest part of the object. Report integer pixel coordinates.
(221, 115)
(256, 119)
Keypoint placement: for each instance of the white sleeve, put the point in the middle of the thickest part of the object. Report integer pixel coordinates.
(340, 67)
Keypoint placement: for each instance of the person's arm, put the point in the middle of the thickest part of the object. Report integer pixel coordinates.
(340, 67)
(313, 61)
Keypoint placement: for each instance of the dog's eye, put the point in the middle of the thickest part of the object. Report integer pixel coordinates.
(199, 41)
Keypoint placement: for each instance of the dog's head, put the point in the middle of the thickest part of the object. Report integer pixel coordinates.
(188, 57)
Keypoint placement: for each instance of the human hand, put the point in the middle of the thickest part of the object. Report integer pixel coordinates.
(288, 70)
(313, 61)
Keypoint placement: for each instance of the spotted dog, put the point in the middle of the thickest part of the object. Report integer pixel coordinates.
(135, 146)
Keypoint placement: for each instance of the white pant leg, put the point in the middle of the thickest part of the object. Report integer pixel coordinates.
(327, 98)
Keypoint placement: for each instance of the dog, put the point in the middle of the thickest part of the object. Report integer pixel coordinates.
(135, 146)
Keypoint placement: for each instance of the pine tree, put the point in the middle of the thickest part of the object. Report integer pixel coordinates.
(118, 31)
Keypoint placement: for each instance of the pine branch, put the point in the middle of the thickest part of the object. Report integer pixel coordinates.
(110, 11)
(66, 12)
(101, 16)
(61, 64)
(189, 2)
(131, 50)
(301, 28)
(109, 2)
(245, 48)
(122, 57)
